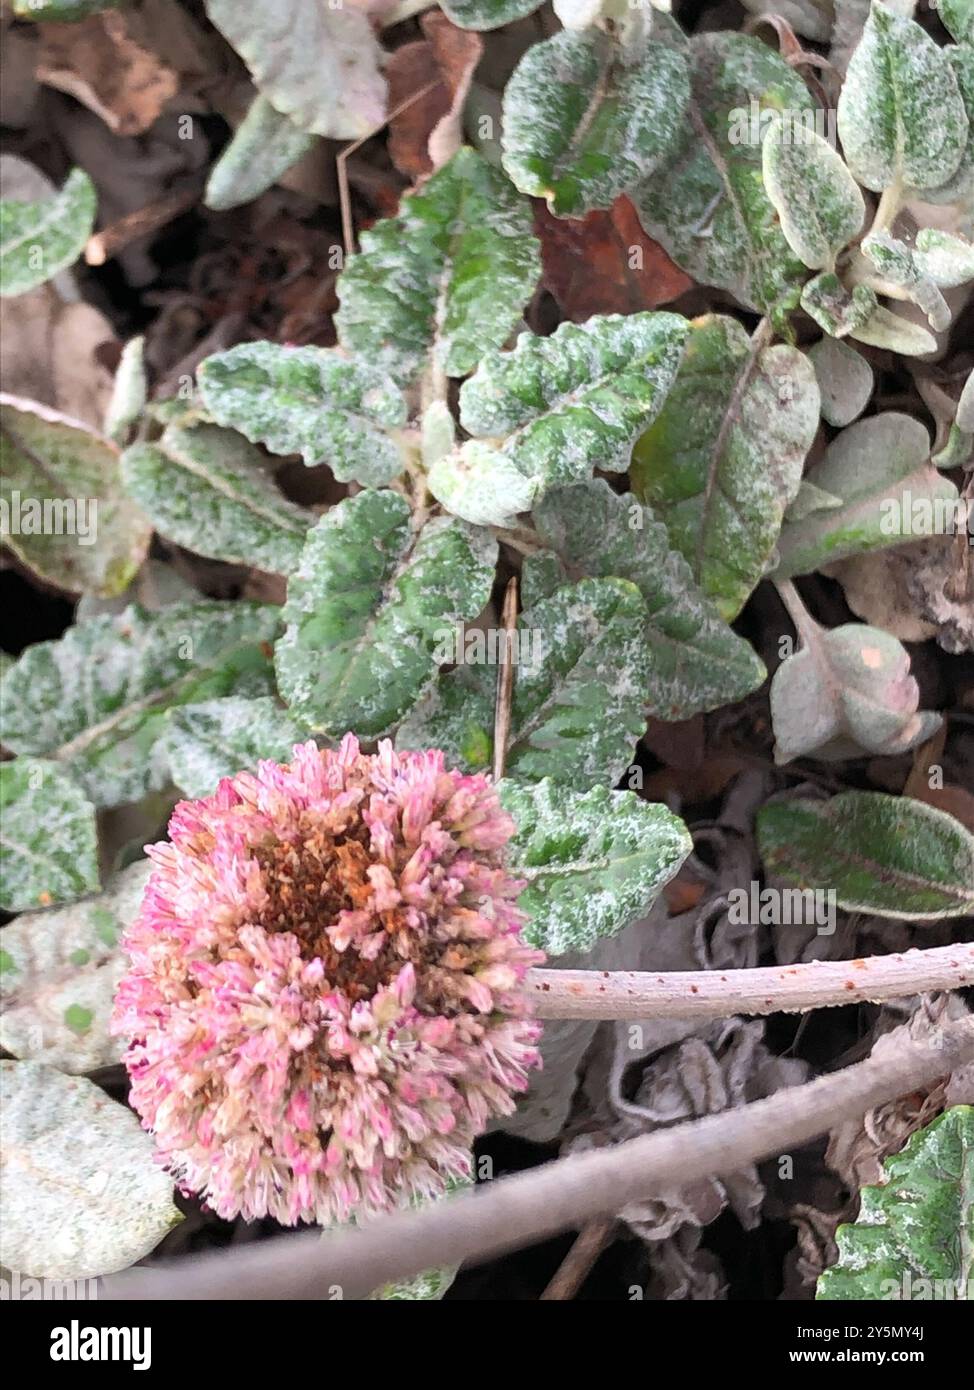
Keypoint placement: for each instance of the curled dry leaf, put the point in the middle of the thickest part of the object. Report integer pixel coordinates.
(425, 134)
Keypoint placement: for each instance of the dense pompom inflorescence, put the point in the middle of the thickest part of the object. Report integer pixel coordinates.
(324, 1002)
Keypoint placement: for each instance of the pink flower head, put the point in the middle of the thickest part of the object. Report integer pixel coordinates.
(323, 1006)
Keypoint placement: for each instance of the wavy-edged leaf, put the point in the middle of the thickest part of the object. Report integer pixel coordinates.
(264, 146)
(707, 204)
(219, 738)
(64, 511)
(585, 119)
(365, 607)
(817, 199)
(97, 698)
(48, 840)
(592, 861)
(208, 489)
(314, 61)
(59, 974)
(724, 458)
(890, 855)
(553, 409)
(696, 662)
(39, 239)
(889, 492)
(309, 401)
(434, 287)
(487, 14)
(82, 1193)
(912, 1238)
(901, 117)
(845, 380)
(579, 689)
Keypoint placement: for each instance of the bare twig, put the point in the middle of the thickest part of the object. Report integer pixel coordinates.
(103, 245)
(520, 1210)
(505, 680)
(574, 1268)
(768, 989)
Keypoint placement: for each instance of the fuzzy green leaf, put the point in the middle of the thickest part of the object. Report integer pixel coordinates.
(315, 62)
(959, 189)
(946, 260)
(836, 309)
(487, 14)
(901, 117)
(65, 513)
(913, 1236)
(264, 146)
(446, 279)
(220, 738)
(958, 18)
(364, 609)
(593, 861)
(48, 849)
(129, 391)
(209, 490)
(696, 662)
(585, 120)
(817, 199)
(879, 469)
(309, 401)
(885, 854)
(97, 698)
(724, 459)
(888, 330)
(62, 11)
(60, 973)
(579, 689)
(707, 204)
(845, 380)
(39, 239)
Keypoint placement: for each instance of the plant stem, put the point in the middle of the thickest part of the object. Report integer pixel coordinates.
(520, 1210)
(769, 989)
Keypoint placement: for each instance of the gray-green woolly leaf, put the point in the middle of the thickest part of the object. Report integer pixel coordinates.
(707, 204)
(315, 62)
(593, 861)
(888, 330)
(912, 1238)
(309, 401)
(817, 199)
(60, 972)
(39, 239)
(83, 1194)
(64, 511)
(879, 468)
(432, 1284)
(579, 689)
(129, 391)
(448, 278)
(845, 381)
(562, 406)
(365, 607)
(264, 146)
(958, 451)
(209, 490)
(585, 120)
(696, 662)
(487, 14)
(97, 698)
(946, 260)
(847, 692)
(899, 269)
(481, 484)
(220, 738)
(541, 574)
(836, 309)
(63, 11)
(810, 499)
(900, 113)
(48, 841)
(964, 419)
(958, 18)
(438, 433)
(724, 459)
(959, 189)
(889, 855)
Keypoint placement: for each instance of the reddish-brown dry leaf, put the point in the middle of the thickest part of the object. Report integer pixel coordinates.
(98, 62)
(605, 263)
(424, 136)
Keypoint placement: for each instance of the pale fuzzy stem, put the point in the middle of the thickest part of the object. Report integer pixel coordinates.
(817, 984)
(563, 1195)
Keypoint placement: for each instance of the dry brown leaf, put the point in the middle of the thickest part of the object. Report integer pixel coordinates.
(605, 263)
(427, 133)
(98, 62)
(57, 353)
